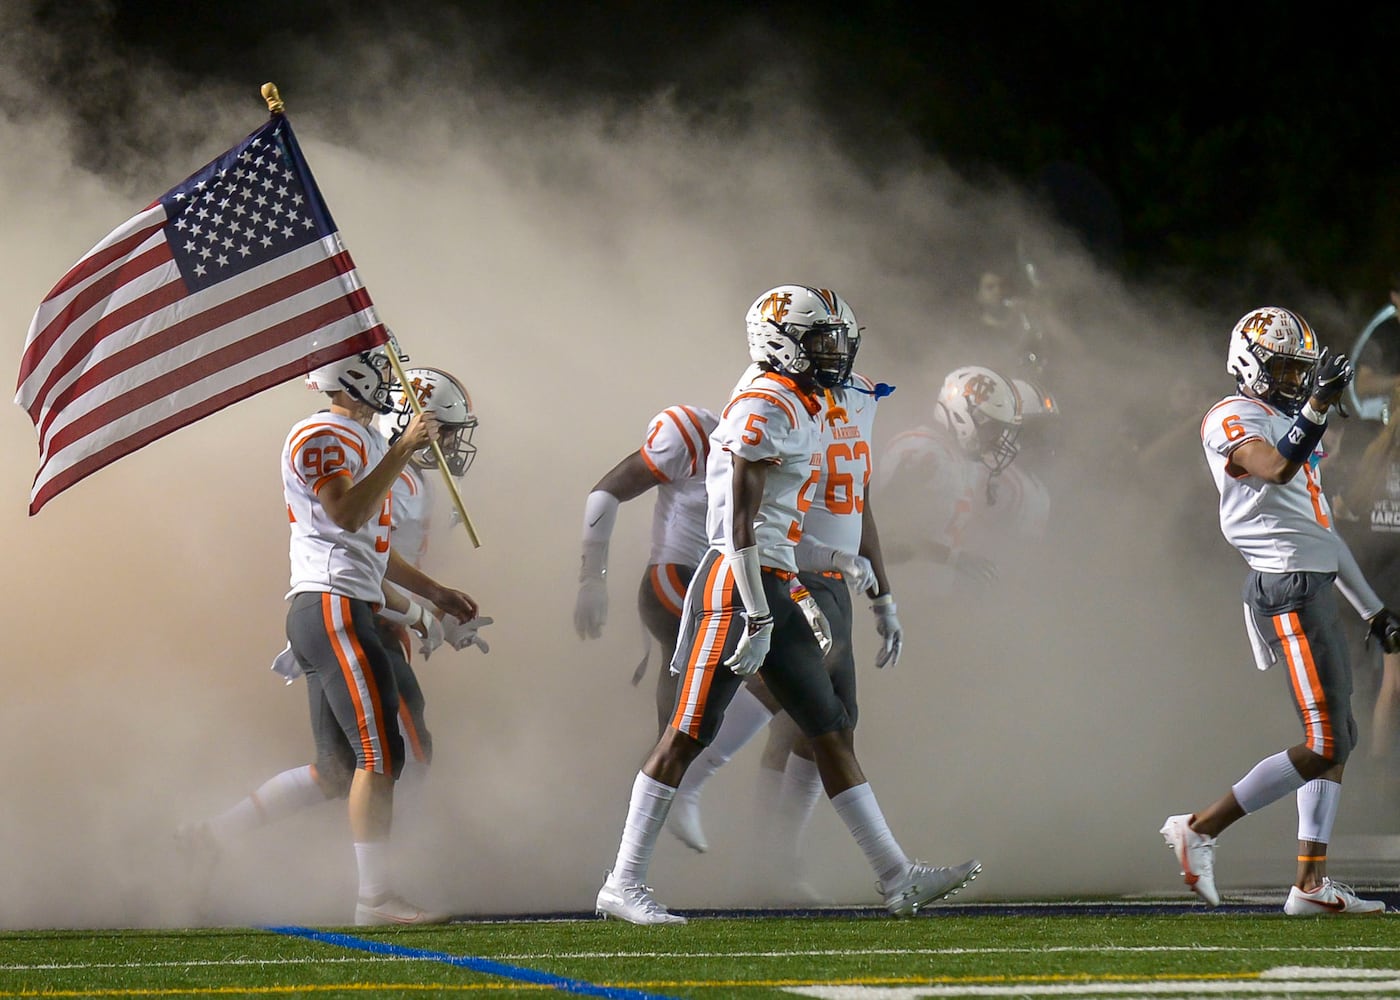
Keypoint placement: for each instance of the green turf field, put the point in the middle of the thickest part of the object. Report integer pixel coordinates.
(1187, 954)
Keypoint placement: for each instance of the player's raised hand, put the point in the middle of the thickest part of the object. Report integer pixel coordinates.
(420, 430)
(1334, 374)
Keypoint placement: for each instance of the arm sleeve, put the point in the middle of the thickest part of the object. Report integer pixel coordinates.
(1352, 583)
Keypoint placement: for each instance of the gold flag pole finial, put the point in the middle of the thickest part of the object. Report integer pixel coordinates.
(273, 98)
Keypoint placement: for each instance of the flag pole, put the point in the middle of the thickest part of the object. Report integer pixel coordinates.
(276, 107)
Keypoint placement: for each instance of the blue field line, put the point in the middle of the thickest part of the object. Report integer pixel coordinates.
(484, 965)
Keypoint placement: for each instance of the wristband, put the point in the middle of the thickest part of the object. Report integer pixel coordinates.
(1315, 416)
(1298, 444)
(884, 600)
(412, 616)
(748, 577)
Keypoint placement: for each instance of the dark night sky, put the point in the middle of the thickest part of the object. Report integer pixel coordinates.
(1185, 146)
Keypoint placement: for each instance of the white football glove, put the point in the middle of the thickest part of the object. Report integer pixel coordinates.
(856, 569)
(975, 569)
(889, 629)
(816, 619)
(286, 665)
(459, 634)
(591, 607)
(429, 631)
(753, 646)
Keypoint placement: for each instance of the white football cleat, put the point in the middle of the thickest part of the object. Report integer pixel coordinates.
(1195, 853)
(394, 910)
(921, 884)
(632, 903)
(683, 820)
(1329, 899)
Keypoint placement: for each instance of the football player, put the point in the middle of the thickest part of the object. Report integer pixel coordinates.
(338, 476)
(1262, 447)
(672, 460)
(947, 479)
(740, 617)
(442, 395)
(839, 550)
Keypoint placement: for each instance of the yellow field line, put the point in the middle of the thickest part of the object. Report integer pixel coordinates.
(650, 984)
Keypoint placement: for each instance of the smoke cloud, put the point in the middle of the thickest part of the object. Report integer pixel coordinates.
(579, 271)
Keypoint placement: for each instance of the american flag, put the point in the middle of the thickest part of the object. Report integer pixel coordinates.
(233, 281)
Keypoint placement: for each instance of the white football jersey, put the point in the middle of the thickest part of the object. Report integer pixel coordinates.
(324, 556)
(846, 435)
(1278, 528)
(1020, 514)
(768, 419)
(413, 514)
(937, 488)
(676, 450)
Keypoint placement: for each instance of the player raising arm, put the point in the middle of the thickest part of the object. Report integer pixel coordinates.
(1261, 446)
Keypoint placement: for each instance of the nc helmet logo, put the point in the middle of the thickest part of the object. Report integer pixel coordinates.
(979, 389)
(423, 390)
(775, 307)
(1258, 324)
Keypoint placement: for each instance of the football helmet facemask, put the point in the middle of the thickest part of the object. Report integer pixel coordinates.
(366, 376)
(809, 333)
(1273, 356)
(984, 411)
(443, 396)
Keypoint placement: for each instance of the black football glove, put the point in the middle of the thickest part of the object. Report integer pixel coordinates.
(1385, 629)
(1334, 374)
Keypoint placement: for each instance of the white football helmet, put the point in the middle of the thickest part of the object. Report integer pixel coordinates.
(984, 411)
(808, 332)
(366, 376)
(1273, 356)
(1036, 400)
(443, 396)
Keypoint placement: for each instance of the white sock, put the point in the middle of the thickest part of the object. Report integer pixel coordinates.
(801, 789)
(1268, 781)
(861, 813)
(744, 719)
(646, 814)
(279, 796)
(1317, 809)
(767, 790)
(372, 857)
